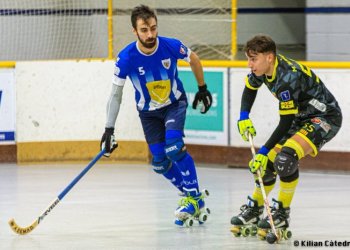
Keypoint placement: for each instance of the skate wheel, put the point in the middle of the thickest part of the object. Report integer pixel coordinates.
(236, 231)
(189, 222)
(286, 234)
(207, 210)
(271, 238)
(205, 193)
(253, 231)
(202, 217)
(262, 233)
(245, 231)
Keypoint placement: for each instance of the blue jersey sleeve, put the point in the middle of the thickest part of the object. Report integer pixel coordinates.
(122, 66)
(179, 50)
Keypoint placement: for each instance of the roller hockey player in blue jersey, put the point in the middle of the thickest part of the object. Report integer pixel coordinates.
(151, 65)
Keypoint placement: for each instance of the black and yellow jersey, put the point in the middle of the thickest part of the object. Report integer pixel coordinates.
(298, 89)
(301, 94)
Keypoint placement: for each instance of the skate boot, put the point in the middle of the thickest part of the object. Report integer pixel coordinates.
(192, 208)
(246, 222)
(281, 220)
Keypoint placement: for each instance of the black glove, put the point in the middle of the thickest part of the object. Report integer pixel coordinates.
(108, 142)
(203, 95)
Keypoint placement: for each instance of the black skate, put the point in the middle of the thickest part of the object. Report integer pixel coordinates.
(246, 222)
(281, 220)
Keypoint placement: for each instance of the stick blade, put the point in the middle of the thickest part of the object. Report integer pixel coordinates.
(22, 230)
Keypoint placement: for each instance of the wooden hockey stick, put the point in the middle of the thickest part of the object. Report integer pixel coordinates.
(262, 187)
(25, 230)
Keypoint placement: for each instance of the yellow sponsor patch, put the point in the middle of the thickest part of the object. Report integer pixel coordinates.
(287, 105)
(159, 91)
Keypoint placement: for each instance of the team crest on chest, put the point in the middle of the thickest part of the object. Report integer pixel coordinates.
(166, 63)
(285, 95)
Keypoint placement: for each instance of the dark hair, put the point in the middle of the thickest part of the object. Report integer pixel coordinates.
(260, 44)
(142, 12)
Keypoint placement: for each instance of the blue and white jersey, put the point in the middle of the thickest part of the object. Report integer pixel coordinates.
(154, 76)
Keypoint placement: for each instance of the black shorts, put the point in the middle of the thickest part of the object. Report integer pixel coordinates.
(319, 130)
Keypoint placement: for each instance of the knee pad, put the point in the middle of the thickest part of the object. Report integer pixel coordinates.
(175, 149)
(290, 178)
(286, 162)
(161, 166)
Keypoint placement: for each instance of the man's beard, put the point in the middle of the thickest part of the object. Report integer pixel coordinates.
(149, 43)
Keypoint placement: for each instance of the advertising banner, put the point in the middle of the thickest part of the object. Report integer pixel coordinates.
(7, 106)
(209, 128)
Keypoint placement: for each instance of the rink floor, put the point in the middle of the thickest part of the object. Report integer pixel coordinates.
(128, 206)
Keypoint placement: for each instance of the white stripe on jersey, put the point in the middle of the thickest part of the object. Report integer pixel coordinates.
(176, 92)
(137, 85)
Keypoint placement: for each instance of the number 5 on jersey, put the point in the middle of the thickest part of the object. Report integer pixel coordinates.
(141, 71)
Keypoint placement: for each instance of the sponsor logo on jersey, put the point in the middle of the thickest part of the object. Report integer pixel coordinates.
(316, 120)
(285, 95)
(159, 91)
(287, 105)
(183, 50)
(166, 63)
(325, 126)
(116, 62)
(318, 105)
(116, 71)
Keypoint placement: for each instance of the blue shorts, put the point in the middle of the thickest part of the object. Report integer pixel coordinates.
(156, 123)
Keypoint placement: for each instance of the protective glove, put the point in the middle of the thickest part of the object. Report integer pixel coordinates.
(203, 95)
(108, 141)
(245, 126)
(259, 162)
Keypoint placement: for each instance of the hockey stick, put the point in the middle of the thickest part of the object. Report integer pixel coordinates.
(262, 187)
(25, 230)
